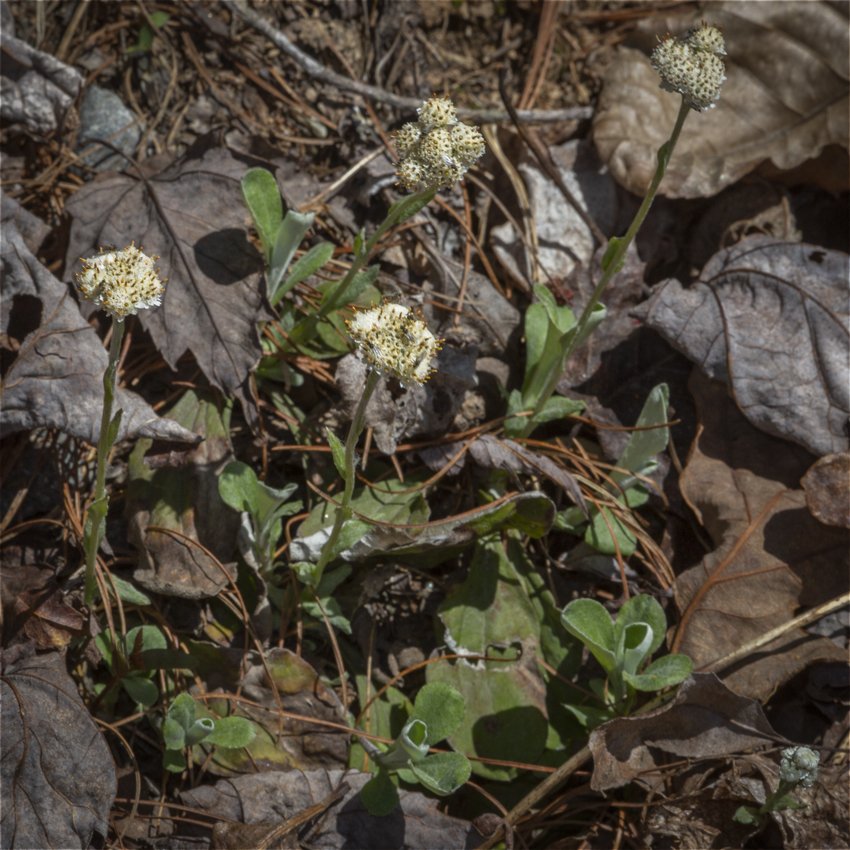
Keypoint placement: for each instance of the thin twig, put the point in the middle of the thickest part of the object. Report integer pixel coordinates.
(320, 72)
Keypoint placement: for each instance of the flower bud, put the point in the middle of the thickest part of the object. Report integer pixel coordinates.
(799, 765)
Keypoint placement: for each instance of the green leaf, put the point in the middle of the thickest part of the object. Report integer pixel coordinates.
(746, 815)
(662, 673)
(442, 773)
(200, 730)
(146, 33)
(129, 593)
(599, 534)
(558, 407)
(638, 457)
(237, 486)
(182, 711)
(406, 207)
(590, 622)
(379, 795)
(289, 236)
(410, 746)
(232, 732)
(114, 427)
(174, 761)
(440, 707)
(643, 608)
(633, 647)
(338, 452)
(307, 265)
(614, 245)
(259, 188)
(142, 691)
(173, 734)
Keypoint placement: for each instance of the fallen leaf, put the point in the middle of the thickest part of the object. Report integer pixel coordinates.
(56, 379)
(827, 486)
(417, 824)
(490, 452)
(772, 320)
(784, 99)
(58, 777)
(192, 215)
(771, 556)
(183, 531)
(704, 720)
(36, 89)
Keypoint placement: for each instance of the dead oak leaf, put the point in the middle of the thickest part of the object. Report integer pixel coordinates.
(193, 217)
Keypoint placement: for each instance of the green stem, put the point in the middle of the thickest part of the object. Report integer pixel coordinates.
(96, 518)
(613, 260)
(304, 331)
(343, 511)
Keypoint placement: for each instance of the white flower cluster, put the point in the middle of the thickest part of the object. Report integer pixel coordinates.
(692, 66)
(121, 282)
(393, 341)
(799, 765)
(437, 150)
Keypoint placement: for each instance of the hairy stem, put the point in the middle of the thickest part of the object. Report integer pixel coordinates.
(343, 511)
(613, 261)
(94, 529)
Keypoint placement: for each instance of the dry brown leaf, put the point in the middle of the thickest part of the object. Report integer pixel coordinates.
(785, 98)
(771, 555)
(417, 824)
(58, 778)
(773, 320)
(704, 720)
(827, 486)
(192, 215)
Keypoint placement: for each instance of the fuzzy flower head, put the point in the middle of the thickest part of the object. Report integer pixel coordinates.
(437, 150)
(394, 341)
(692, 66)
(799, 765)
(121, 282)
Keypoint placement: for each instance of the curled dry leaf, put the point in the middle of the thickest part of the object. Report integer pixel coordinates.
(492, 453)
(417, 824)
(827, 486)
(704, 720)
(56, 379)
(771, 555)
(772, 320)
(784, 100)
(192, 215)
(58, 779)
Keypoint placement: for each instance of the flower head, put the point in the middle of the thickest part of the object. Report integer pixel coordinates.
(799, 765)
(437, 150)
(393, 341)
(121, 282)
(692, 66)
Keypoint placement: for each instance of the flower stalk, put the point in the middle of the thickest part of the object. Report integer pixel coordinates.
(693, 68)
(121, 283)
(96, 518)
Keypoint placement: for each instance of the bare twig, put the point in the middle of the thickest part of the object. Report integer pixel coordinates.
(320, 72)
